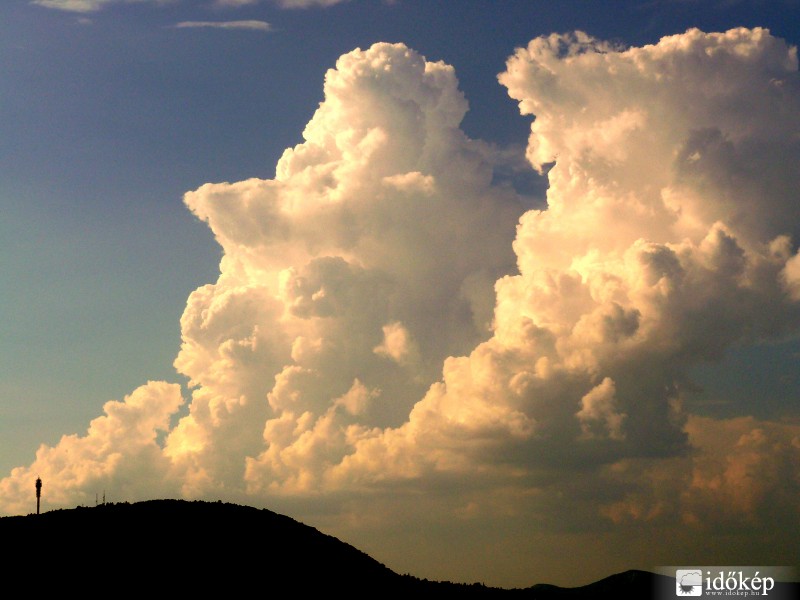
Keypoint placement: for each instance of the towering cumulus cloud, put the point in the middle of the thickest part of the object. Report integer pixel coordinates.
(388, 320)
(667, 239)
(346, 280)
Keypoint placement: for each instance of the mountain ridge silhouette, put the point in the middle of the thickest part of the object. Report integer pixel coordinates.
(161, 547)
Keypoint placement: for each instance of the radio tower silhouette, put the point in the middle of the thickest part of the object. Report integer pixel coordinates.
(38, 492)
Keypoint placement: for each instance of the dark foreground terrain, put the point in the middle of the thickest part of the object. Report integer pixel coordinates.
(163, 547)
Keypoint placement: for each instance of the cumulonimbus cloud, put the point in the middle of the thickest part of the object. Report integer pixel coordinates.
(390, 317)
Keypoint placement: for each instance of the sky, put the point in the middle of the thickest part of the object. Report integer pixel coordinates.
(504, 292)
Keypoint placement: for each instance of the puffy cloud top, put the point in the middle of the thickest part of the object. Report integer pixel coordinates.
(369, 258)
(389, 321)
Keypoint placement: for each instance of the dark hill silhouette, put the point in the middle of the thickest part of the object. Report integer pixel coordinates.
(162, 547)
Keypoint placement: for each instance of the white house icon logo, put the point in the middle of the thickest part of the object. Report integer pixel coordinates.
(688, 582)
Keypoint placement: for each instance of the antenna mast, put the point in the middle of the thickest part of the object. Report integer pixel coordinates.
(38, 492)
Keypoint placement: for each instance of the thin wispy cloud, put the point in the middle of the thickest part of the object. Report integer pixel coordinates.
(251, 24)
(234, 3)
(81, 6)
(86, 6)
(307, 3)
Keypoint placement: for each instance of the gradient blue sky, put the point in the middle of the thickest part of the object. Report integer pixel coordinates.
(108, 116)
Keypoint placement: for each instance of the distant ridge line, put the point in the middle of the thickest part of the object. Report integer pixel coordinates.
(159, 547)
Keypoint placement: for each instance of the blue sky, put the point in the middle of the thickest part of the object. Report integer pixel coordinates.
(108, 116)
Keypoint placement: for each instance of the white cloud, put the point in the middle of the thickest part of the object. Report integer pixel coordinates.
(249, 24)
(618, 292)
(85, 6)
(357, 398)
(74, 5)
(344, 347)
(380, 238)
(120, 453)
(791, 271)
(599, 407)
(307, 3)
(742, 473)
(234, 3)
(397, 344)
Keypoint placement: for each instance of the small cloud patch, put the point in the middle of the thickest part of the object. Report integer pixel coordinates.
(250, 24)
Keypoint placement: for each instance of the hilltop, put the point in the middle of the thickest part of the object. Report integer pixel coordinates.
(162, 547)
